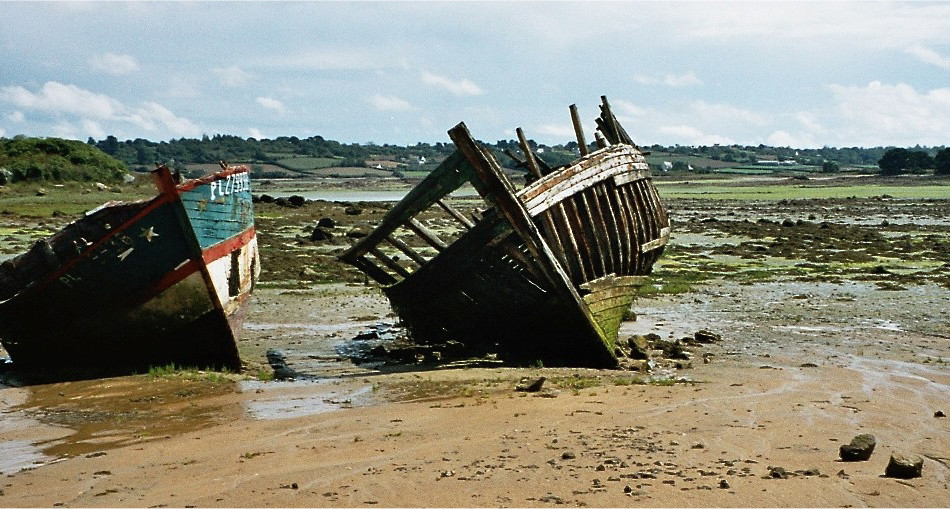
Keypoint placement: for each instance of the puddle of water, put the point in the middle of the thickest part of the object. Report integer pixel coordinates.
(277, 400)
(16, 455)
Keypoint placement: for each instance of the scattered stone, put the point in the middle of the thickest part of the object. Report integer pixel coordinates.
(528, 385)
(903, 466)
(842, 474)
(812, 472)
(266, 198)
(939, 413)
(321, 233)
(777, 473)
(356, 233)
(809, 365)
(326, 222)
(859, 449)
(705, 337)
(568, 455)
(296, 200)
(278, 362)
(308, 273)
(352, 211)
(723, 484)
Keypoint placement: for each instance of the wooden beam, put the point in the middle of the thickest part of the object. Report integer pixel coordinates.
(579, 131)
(449, 176)
(456, 214)
(389, 262)
(532, 162)
(427, 235)
(408, 251)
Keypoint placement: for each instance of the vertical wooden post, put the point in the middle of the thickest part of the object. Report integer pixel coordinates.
(532, 162)
(579, 131)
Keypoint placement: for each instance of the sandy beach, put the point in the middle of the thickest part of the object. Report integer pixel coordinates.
(754, 420)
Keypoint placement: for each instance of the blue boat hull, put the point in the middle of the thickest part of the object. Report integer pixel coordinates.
(137, 285)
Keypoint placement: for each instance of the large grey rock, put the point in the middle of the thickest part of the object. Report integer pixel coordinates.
(904, 466)
(859, 449)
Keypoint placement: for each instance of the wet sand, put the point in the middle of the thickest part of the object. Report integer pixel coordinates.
(419, 436)
(805, 363)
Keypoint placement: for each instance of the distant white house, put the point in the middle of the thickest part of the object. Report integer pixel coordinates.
(667, 166)
(422, 160)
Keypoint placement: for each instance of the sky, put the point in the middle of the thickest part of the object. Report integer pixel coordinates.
(796, 74)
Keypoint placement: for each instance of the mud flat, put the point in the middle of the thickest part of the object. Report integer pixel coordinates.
(826, 332)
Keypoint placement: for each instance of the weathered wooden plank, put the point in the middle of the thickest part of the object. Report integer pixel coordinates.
(636, 216)
(408, 251)
(426, 234)
(389, 262)
(554, 239)
(579, 131)
(456, 214)
(575, 230)
(531, 161)
(616, 161)
(593, 231)
(374, 271)
(447, 177)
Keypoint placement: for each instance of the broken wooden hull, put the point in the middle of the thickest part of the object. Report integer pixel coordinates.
(133, 285)
(546, 274)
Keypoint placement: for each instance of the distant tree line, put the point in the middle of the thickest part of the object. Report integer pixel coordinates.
(901, 160)
(55, 159)
(144, 154)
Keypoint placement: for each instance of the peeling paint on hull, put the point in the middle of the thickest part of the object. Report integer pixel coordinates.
(132, 285)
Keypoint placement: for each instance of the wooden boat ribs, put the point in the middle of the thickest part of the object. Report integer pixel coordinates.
(546, 272)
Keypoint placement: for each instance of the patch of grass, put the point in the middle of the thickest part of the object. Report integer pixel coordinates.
(172, 370)
(576, 382)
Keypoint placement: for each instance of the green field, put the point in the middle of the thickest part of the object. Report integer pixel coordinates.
(307, 164)
(719, 191)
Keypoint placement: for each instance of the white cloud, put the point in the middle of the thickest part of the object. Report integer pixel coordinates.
(271, 104)
(669, 80)
(232, 76)
(456, 87)
(256, 133)
(782, 138)
(92, 110)
(929, 56)
(891, 114)
(3, 132)
(116, 65)
(330, 59)
(867, 24)
(563, 132)
(712, 112)
(689, 135)
(389, 103)
(16, 117)
(56, 97)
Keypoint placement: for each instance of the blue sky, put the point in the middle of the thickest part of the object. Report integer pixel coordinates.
(793, 74)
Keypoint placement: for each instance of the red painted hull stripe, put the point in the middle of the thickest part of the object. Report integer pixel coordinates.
(225, 247)
(209, 255)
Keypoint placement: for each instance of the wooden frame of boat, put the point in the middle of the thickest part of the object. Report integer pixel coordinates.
(545, 273)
